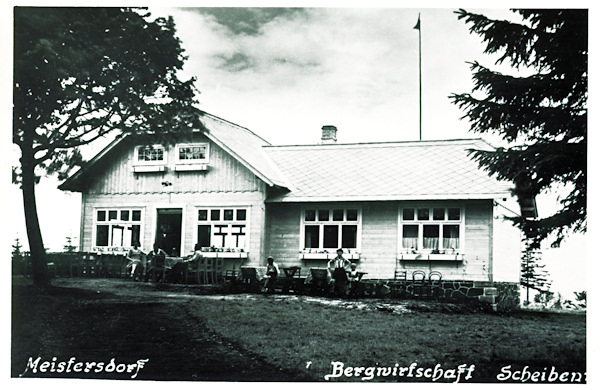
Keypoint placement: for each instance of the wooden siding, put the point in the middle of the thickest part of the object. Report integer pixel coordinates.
(283, 233)
(507, 245)
(188, 203)
(379, 240)
(226, 183)
(224, 174)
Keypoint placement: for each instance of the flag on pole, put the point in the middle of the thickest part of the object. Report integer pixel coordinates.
(418, 25)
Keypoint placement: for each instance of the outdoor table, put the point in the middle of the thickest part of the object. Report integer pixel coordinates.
(319, 275)
(171, 261)
(359, 275)
(291, 281)
(290, 272)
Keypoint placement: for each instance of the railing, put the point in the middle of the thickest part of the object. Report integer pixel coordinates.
(79, 264)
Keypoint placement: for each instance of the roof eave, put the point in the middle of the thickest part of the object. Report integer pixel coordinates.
(71, 183)
(270, 182)
(387, 198)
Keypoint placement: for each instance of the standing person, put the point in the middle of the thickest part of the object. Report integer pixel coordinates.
(337, 267)
(135, 257)
(338, 262)
(353, 279)
(271, 277)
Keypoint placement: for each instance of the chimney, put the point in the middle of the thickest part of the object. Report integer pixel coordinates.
(328, 134)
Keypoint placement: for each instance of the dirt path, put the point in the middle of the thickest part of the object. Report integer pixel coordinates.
(82, 323)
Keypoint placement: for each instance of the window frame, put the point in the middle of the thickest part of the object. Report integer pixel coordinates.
(329, 222)
(421, 223)
(231, 223)
(139, 162)
(205, 160)
(114, 223)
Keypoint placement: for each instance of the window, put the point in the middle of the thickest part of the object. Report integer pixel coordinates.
(222, 228)
(117, 228)
(154, 154)
(326, 229)
(192, 153)
(431, 229)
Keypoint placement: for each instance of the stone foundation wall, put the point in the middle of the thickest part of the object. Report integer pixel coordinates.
(500, 296)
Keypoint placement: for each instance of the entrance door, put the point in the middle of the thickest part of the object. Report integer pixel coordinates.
(168, 230)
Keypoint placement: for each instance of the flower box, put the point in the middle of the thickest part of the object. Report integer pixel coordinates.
(327, 256)
(148, 168)
(430, 257)
(191, 167)
(226, 255)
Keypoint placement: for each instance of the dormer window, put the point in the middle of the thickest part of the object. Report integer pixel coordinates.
(149, 158)
(154, 154)
(191, 157)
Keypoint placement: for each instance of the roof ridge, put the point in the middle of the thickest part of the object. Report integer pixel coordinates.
(382, 143)
(236, 125)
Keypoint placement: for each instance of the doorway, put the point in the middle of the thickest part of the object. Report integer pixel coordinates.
(168, 230)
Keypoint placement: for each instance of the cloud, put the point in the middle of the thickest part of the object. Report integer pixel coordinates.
(246, 21)
(354, 68)
(235, 62)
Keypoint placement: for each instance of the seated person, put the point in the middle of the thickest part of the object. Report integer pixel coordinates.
(271, 276)
(136, 258)
(353, 273)
(155, 259)
(197, 253)
(179, 270)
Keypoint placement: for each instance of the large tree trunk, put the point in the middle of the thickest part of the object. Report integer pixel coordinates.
(39, 266)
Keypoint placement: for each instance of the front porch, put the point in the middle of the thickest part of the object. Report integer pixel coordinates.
(292, 280)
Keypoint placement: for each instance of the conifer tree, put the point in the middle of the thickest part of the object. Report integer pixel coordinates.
(17, 257)
(541, 115)
(533, 273)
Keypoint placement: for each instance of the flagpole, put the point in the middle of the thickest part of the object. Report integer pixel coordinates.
(418, 27)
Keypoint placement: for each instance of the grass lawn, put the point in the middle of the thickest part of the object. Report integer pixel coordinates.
(188, 336)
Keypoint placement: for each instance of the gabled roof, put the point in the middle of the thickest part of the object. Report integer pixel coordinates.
(416, 170)
(245, 146)
(241, 143)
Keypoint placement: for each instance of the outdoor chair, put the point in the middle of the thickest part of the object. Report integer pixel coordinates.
(400, 274)
(291, 280)
(108, 265)
(435, 283)
(218, 272)
(158, 268)
(90, 265)
(209, 270)
(398, 286)
(192, 272)
(76, 265)
(231, 275)
(319, 280)
(419, 287)
(250, 279)
(120, 262)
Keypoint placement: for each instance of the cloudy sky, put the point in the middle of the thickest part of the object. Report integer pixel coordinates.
(286, 72)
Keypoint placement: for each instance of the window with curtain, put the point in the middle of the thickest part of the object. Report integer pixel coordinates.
(431, 229)
(117, 228)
